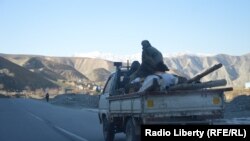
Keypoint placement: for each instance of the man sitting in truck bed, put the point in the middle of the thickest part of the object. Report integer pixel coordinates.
(134, 67)
(151, 60)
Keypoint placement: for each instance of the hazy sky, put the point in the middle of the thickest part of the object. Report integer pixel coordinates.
(67, 27)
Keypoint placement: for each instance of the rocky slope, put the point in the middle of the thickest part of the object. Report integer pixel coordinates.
(14, 78)
(53, 70)
(64, 67)
(236, 69)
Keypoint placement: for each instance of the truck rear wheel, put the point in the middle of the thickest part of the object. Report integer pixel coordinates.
(130, 131)
(108, 131)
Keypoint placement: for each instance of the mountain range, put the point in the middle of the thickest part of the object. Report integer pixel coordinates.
(16, 78)
(236, 69)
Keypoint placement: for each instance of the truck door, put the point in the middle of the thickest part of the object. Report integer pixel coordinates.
(108, 90)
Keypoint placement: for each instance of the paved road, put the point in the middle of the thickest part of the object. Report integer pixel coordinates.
(32, 120)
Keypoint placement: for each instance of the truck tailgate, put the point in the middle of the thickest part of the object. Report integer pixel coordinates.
(187, 103)
(168, 104)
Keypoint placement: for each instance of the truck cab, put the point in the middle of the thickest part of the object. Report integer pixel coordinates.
(115, 85)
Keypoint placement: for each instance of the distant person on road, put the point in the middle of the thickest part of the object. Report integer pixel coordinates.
(47, 97)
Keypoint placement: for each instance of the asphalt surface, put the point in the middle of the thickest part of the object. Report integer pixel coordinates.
(33, 120)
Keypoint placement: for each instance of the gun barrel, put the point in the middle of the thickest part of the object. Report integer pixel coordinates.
(193, 86)
(206, 72)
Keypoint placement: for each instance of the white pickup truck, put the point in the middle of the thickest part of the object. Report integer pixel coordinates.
(120, 112)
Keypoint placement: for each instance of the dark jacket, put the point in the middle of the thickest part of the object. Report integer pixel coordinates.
(152, 61)
(151, 57)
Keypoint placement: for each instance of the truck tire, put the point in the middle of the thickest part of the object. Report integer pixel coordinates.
(108, 131)
(130, 131)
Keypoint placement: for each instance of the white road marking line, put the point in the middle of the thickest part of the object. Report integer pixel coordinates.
(92, 110)
(59, 128)
(36, 116)
(70, 134)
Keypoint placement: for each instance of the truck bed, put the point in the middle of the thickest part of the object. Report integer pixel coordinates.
(206, 103)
